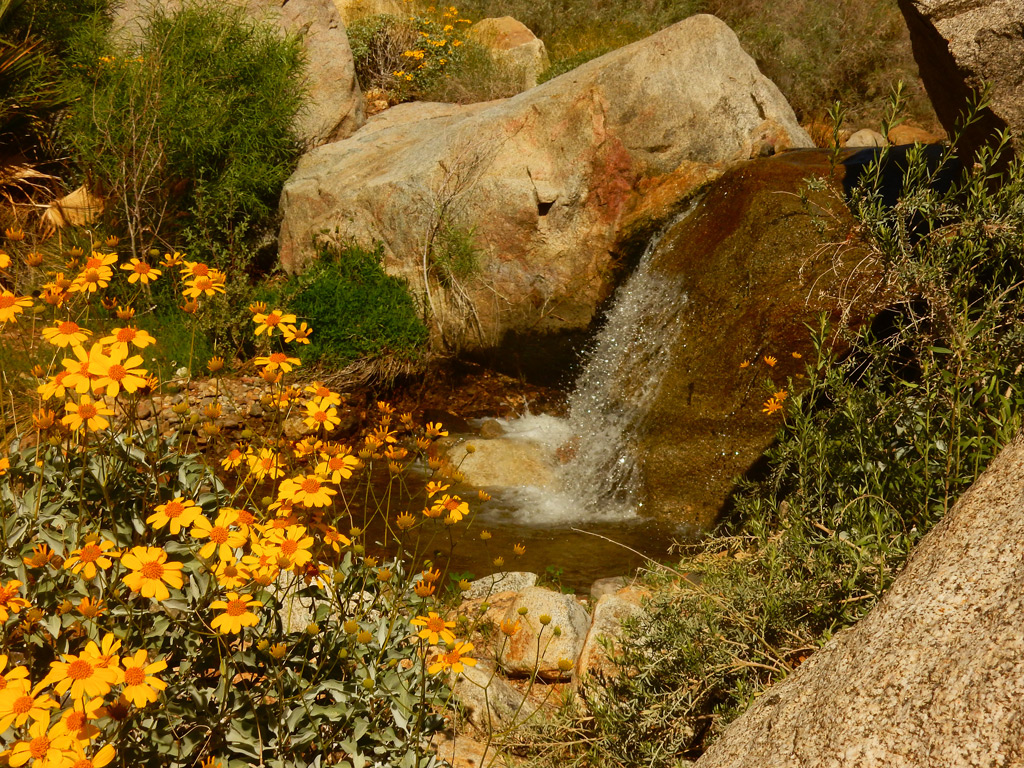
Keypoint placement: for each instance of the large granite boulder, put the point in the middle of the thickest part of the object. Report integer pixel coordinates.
(334, 108)
(960, 47)
(933, 675)
(546, 182)
(512, 45)
(550, 637)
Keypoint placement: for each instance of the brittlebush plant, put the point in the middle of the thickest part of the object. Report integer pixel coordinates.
(168, 597)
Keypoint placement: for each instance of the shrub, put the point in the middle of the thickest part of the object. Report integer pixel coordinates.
(191, 125)
(359, 310)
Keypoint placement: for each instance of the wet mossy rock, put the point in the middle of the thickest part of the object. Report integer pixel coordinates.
(932, 676)
(751, 271)
(547, 184)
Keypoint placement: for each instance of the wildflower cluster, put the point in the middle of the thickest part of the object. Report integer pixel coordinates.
(440, 33)
(160, 605)
(774, 404)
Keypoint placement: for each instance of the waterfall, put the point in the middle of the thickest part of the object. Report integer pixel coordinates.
(620, 379)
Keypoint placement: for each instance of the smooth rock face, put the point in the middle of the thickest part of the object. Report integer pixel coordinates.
(519, 656)
(960, 45)
(549, 182)
(750, 272)
(334, 107)
(513, 45)
(932, 676)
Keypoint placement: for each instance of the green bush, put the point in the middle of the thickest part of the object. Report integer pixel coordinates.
(355, 307)
(189, 130)
(877, 445)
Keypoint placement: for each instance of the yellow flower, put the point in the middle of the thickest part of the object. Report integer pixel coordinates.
(405, 521)
(335, 539)
(5, 464)
(88, 675)
(85, 367)
(100, 758)
(87, 413)
(45, 747)
(519, 549)
(178, 512)
(236, 613)
(230, 574)
(434, 628)
(206, 285)
(118, 371)
(771, 406)
(299, 334)
(94, 554)
(510, 627)
(13, 679)
(320, 416)
(222, 538)
(454, 660)
(433, 488)
(323, 393)
(171, 260)
(266, 464)
(309, 491)
(151, 573)
(91, 279)
(276, 360)
(11, 305)
(338, 467)
(266, 323)
(140, 687)
(141, 272)
(436, 430)
(90, 609)
(233, 459)
(745, 364)
(797, 355)
(770, 361)
(455, 507)
(292, 543)
(66, 334)
(781, 395)
(75, 721)
(17, 707)
(120, 338)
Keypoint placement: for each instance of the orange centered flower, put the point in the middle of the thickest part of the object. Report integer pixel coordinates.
(134, 676)
(38, 747)
(310, 485)
(80, 670)
(68, 327)
(87, 411)
(236, 607)
(153, 570)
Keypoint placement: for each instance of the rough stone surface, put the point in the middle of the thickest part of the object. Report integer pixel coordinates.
(960, 45)
(519, 656)
(933, 675)
(609, 613)
(351, 10)
(552, 182)
(505, 581)
(866, 137)
(513, 45)
(750, 265)
(335, 106)
(490, 702)
(608, 586)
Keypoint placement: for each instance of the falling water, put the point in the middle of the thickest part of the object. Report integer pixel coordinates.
(609, 407)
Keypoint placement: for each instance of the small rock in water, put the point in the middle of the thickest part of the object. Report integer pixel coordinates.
(491, 428)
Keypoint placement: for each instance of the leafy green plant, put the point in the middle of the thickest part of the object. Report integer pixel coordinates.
(193, 125)
(357, 308)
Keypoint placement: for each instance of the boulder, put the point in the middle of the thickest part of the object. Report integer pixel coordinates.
(505, 462)
(505, 581)
(519, 656)
(744, 273)
(512, 45)
(933, 675)
(912, 134)
(544, 184)
(606, 630)
(962, 46)
(351, 10)
(491, 704)
(334, 107)
(866, 137)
